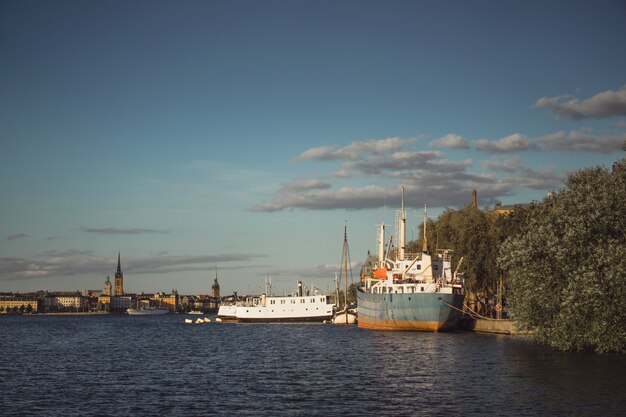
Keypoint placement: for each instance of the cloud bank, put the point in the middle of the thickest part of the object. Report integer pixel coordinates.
(602, 105)
(77, 262)
(117, 231)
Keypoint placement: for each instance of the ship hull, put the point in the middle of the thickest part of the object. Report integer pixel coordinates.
(431, 312)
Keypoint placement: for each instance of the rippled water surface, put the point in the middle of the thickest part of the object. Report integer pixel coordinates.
(126, 366)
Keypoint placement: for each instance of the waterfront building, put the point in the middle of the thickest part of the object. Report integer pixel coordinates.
(119, 278)
(120, 303)
(18, 303)
(61, 301)
(169, 301)
(104, 299)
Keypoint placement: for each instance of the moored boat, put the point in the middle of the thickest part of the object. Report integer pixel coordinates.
(147, 311)
(344, 315)
(302, 306)
(411, 292)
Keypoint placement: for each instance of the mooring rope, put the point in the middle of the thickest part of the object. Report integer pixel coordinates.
(474, 315)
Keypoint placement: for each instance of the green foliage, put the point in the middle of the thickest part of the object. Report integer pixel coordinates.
(567, 267)
(352, 293)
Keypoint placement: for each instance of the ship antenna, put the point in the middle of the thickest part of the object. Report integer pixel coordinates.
(425, 246)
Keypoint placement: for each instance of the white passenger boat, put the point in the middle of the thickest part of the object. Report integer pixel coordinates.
(302, 306)
(147, 311)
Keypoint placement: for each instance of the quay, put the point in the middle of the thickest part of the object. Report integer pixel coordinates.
(505, 326)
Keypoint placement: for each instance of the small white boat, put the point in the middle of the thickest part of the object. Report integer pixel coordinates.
(207, 320)
(199, 321)
(343, 317)
(195, 312)
(188, 321)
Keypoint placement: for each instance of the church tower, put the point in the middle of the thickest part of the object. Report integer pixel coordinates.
(107, 287)
(215, 289)
(119, 278)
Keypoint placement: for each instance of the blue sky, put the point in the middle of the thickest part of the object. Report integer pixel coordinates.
(245, 134)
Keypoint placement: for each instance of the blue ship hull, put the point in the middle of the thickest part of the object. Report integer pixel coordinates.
(413, 312)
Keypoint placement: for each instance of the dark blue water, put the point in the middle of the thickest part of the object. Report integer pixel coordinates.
(127, 366)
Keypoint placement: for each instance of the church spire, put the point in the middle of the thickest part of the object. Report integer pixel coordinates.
(118, 273)
(119, 278)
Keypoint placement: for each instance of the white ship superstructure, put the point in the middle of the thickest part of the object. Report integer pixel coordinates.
(302, 306)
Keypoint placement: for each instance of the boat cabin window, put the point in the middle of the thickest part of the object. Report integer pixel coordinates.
(312, 300)
(282, 301)
(422, 289)
(419, 266)
(321, 300)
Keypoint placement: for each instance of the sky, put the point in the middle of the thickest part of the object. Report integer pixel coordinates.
(243, 136)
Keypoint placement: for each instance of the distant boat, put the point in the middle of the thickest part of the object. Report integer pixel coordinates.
(147, 311)
(303, 306)
(195, 312)
(346, 315)
(409, 292)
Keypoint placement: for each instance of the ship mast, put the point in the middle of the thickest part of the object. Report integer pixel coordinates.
(402, 231)
(345, 269)
(425, 245)
(381, 243)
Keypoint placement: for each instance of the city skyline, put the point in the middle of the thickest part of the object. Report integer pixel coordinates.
(244, 135)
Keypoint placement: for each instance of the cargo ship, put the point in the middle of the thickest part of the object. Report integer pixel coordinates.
(415, 292)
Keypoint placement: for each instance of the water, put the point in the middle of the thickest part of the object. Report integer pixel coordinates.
(127, 366)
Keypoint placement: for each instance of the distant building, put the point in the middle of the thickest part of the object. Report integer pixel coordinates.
(119, 278)
(104, 299)
(506, 209)
(169, 301)
(121, 303)
(65, 301)
(215, 289)
(107, 287)
(17, 303)
(214, 302)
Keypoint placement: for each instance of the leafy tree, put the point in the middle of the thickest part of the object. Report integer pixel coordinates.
(352, 293)
(567, 268)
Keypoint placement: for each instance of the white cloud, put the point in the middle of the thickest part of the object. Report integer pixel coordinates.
(77, 262)
(512, 143)
(510, 165)
(602, 105)
(355, 150)
(451, 141)
(118, 231)
(581, 141)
